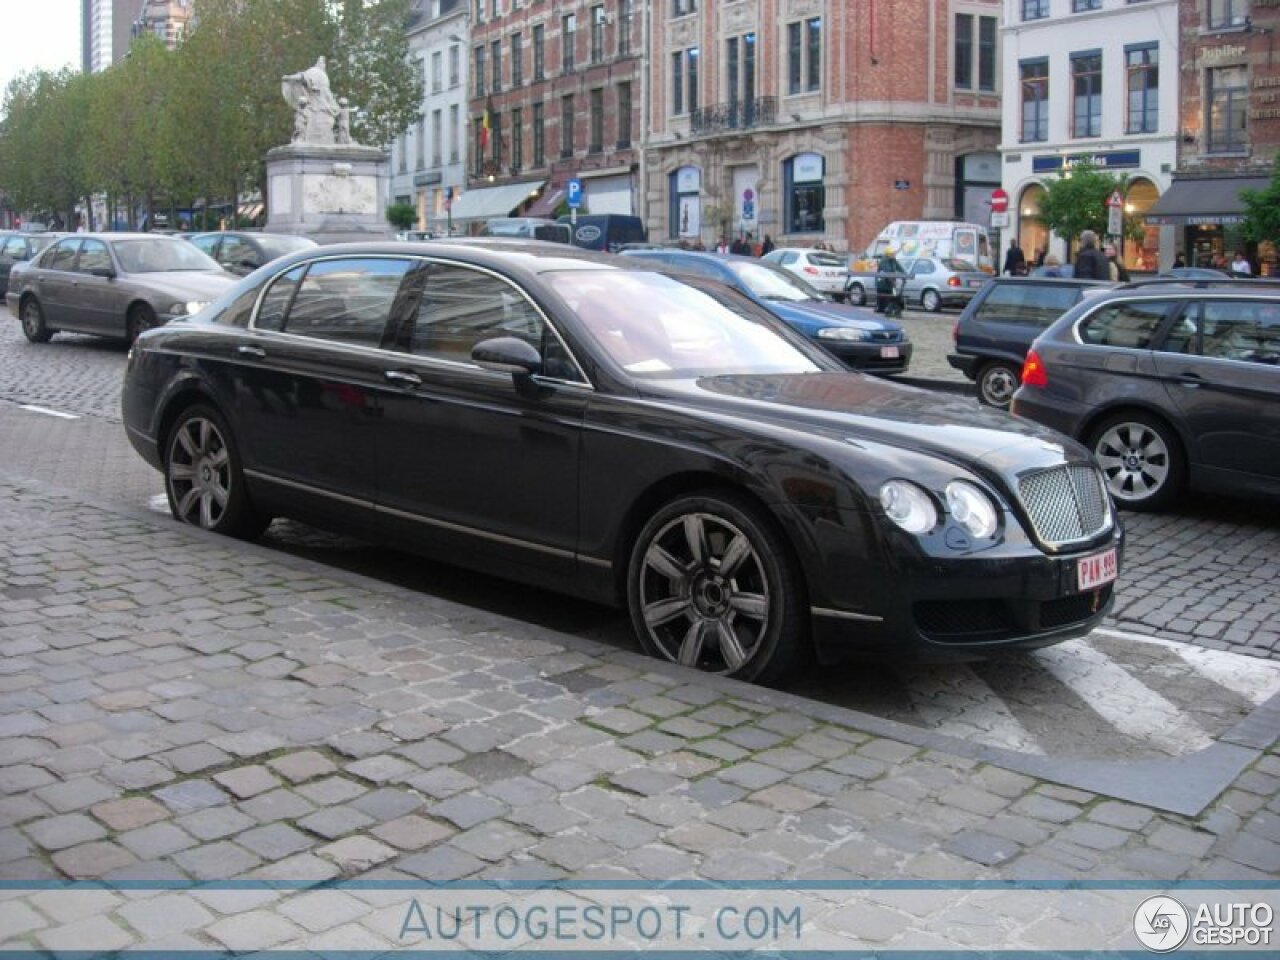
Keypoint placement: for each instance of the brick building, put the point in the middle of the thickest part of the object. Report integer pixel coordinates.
(815, 120)
(1229, 125)
(559, 86)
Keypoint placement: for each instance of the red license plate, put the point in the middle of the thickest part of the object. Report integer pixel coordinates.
(1092, 572)
(888, 353)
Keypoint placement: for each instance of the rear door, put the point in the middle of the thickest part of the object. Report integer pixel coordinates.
(53, 285)
(1222, 367)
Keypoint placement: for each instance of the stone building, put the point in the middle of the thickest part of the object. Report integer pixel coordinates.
(819, 120)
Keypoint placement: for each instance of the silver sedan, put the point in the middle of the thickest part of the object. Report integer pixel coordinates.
(112, 284)
(936, 282)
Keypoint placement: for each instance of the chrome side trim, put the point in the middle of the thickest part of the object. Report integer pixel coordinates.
(844, 615)
(307, 488)
(596, 561)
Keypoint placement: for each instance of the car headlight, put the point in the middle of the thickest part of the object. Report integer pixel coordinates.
(972, 509)
(842, 333)
(187, 308)
(908, 506)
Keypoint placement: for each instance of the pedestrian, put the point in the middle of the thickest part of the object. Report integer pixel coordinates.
(1179, 262)
(1015, 262)
(739, 246)
(767, 246)
(1090, 263)
(1241, 265)
(1052, 266)
(1115, 268)
(887, 270)
(723, 245)
(1042, 255)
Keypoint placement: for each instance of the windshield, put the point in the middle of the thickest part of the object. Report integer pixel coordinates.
(771, 283)
(146, 255)
(654, 326)
(278, 246)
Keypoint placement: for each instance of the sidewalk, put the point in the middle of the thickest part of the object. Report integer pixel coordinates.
(176, 706)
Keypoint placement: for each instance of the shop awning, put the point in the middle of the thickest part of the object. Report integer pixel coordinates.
(545, 205)
(486, 202)
(1204, 200)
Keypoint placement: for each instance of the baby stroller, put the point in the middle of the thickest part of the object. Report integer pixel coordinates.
(890, 300)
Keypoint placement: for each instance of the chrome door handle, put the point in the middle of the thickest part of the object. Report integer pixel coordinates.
(403, 377)
(256, 352)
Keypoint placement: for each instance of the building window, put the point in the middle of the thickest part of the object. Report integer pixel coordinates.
(1035, 9)
(1142, 67)
(1228, 109)
(691, 78)
(804, 55)
(479, 11)
(539, 141)
(566, 127)
(495, 138)
(495, 50)
(979, 50)
(813, 69)
(597, 34)
(455, 66)
(597, 122)
(680, 8)
(626, 15)
(987, 30)
(420, 151)
(964, 51)
(517, 59)
(482, 139)
(740, 62)
(1035, 100)
(568, 42)
(453, 134)
(804, 194)
(437, 128)
(677, 83)
(1086, 94)
(624, 115)
(495, 9)
(517, 139)
(1228, 13)
(437, 71)
(1082, 6)
(479, 55)
(539, 51)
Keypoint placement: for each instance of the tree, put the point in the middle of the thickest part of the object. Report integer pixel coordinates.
(402, 216)
(1262, 211)
(371, 68)
(1077, 201)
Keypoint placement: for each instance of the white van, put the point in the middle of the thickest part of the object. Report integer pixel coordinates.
(945, 239)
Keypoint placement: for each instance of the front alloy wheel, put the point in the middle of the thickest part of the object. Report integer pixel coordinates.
(1141, 460)
(203, 477)
(33, 327)
(997, 384)
(856, 295)
(931, 301)
(711, 586)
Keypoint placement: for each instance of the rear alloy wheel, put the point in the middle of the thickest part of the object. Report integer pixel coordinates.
(33, 327)
(1141, 458)
(204, 479)
(931, 301)
(141, 318)
(856, 295)
(997, 383)
(710, 585)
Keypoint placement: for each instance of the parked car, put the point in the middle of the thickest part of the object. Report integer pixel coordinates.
(528, 228)
(1169, 387)
(937, 282)
(996, 328)
(595, 426)
(19, 247)
(859, 340)
(243, 253)
(113, 284)
(605, 231)
(827, 272)
(1196, 273)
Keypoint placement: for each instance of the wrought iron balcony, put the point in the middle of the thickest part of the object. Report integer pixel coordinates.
(735, 115)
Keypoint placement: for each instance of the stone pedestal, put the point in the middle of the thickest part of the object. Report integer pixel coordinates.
(330, 193)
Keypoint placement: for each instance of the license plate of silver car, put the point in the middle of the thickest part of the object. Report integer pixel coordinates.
(888, 353)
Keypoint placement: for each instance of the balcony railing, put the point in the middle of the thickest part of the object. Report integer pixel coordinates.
(738, 115)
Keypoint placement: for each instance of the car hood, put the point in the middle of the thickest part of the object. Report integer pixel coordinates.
(184, 284)
(853, 407)
(817, 314)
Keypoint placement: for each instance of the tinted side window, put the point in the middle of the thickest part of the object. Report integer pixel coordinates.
(1028, 304)
(236, 252)
(277, 299)
(14, 248)
(93, 256)
(1241, 330)
(206, 243)
(347, 301)
(1129, 325)
(62, 256)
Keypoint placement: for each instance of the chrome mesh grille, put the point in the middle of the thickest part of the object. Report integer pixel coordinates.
(1066, 504)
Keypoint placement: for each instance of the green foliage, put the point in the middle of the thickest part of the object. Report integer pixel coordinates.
(402, 216)
(1077, 201)
(1262, 211)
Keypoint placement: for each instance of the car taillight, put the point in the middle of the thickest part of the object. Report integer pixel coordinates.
(1033, 371)
(812, 270)
(953, 281)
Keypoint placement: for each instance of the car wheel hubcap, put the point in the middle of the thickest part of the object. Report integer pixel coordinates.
(1000, 386)
(704, 593)
(200, 473)
(1134, 459)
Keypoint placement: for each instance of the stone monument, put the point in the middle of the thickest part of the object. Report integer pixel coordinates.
(323, 185)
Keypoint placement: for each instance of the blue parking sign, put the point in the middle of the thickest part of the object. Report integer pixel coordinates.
(574, 189)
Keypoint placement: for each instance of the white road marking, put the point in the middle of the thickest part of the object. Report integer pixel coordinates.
(45, 410)
(1124, 701)
(956, 701)
(1254, 679)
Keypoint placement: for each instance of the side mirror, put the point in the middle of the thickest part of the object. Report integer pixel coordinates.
(508, 355)
(105, 272)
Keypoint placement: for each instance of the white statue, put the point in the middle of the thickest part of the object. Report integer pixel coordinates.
(315, 109)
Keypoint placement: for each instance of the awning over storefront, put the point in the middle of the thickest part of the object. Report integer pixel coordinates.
(1206, 200)
(545, 205)
(489, 202)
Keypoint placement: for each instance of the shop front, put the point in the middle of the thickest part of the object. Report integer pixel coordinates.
(1207, 215)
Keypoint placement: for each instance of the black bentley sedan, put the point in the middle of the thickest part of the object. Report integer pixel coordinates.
(588, 424)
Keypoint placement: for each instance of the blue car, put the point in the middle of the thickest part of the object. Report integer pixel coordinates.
(859, 340)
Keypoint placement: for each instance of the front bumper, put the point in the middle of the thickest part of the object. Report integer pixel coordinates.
(869, 355)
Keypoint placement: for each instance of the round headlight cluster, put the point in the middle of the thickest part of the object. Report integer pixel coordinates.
(908, 506)
(842, 333)
(972, 509)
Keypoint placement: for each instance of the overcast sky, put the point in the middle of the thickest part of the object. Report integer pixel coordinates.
(38, 34)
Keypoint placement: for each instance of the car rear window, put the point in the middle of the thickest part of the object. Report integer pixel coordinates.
(1028, 304)
(826, 260)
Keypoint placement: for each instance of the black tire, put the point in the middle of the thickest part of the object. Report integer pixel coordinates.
(141, 317)
(931, 301)
(33, 325)
(856, 295)
(749, 623)
(997, 382)
(1141, 458)
(204, 478)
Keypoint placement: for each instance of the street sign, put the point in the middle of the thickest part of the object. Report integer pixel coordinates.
(999, 201)
(1115, 200)
(748, 204)
(574, 193)
(1000, 220)
(902, 184)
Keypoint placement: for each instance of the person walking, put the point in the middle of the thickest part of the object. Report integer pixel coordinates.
(887, 270)
(767, 247)
(1241, 266)
(1090, 263)
(1115, 268)
(1015, 261)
